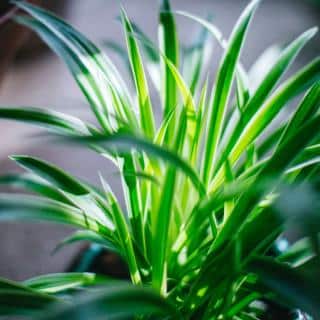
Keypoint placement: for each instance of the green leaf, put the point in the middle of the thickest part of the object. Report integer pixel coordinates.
(96, 75)
(208, 25)
(291, 148)
(200, 127)
(169, 46)
(286, 58)
(263, 117)
(222, 90)
(186, 95)
(186, 98)
(31, 183)
(298, 253)
(114, 302)
(163, 129)
(78, 67)
(273, 105)
(124, 236)
(152, 56)
(228, 205)
(298, 290)
(46, 118)
(14, 302)
(133, 202)
(271, 171)
(242, 88)
(17, 299)
(52, 174)
(161, 226)
(120, 51)
(87, 235)
(210, 204)
(243, 91)
(160, 239)
(59, 282)
(150, 52)
(263, 64)
(146, 114)
(308, 107)
(15, 207)
(268, 83)
(196, 59)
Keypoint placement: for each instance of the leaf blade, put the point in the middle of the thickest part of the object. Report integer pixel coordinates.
(222, 90)
(145, 106)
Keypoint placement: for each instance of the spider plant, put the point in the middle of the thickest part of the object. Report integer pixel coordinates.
(208, 188)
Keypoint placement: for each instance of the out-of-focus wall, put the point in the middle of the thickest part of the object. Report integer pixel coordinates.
(42, 80)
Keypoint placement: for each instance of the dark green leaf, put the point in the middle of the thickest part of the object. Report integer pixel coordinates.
(115, 302)
(295, 288)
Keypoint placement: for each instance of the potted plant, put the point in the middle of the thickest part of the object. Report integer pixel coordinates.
(208, 191)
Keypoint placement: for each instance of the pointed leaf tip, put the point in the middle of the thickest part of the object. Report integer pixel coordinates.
(51, 174)
(312, 31)
(250, 8)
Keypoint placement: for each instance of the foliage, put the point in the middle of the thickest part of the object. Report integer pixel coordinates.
(208, 188)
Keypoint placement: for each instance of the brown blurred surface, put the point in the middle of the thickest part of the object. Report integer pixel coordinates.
(45, 82)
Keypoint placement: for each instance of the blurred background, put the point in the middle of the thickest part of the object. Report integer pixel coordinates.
(35, 77)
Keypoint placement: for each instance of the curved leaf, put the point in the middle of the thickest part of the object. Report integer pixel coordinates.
(46, 118)
(31, 183)
(124, 143)
(15, 207)
(59, 282)
(52, 174)
(86, 235)
(96, 75)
